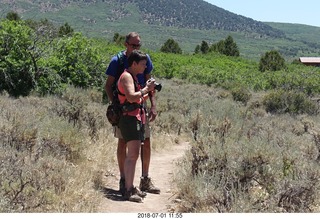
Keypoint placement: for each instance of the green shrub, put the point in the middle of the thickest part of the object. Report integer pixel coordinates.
(271, 61)
(289, 102)
(241, 94)
(171, 46)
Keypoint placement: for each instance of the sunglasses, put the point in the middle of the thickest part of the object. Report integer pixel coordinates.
(135, 46)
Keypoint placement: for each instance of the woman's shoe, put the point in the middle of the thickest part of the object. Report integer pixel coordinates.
(132, 195)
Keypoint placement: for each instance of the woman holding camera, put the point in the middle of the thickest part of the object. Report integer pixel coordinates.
(133, 119)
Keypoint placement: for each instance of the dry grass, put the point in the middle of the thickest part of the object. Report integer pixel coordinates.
(48, 161)
(246, 160)
(55, 151)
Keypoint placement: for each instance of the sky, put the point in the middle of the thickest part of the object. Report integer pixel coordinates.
(280, 11)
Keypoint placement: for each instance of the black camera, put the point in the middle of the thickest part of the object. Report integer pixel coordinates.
(158, 86)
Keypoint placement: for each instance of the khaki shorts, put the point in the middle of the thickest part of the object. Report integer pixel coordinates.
(117, 132)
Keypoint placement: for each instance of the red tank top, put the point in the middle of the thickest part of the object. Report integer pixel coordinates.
(138, 113)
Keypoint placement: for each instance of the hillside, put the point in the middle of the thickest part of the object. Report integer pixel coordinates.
(188, 22)
(199, 15)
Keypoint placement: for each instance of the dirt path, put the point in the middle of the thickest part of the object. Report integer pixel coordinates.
(161, 169)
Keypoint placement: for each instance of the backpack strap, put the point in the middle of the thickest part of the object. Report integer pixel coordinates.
(127, 106)
(121, 67)
(120, 70)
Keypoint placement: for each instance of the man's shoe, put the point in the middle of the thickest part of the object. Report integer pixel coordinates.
(146, 185)
(122, 186)
(132, 195)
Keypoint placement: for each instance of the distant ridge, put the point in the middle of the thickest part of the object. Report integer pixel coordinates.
(198, 14)
(189, 22)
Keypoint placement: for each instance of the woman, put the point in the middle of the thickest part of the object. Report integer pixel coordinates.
(131, 123)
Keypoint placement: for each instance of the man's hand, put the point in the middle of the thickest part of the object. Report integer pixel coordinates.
(152, 114)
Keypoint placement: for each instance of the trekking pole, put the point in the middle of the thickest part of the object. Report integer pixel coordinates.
(141, 155)
(142, 144)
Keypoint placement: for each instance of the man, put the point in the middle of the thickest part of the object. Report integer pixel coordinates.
(133, 42)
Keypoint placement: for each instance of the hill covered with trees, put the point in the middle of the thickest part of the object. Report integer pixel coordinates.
(189, 22)
(37, 56)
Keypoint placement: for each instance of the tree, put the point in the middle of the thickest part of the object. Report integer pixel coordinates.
(171, 46)
(13, 16)
(197, 49)
(226, 47)
(217, 47)
(16, 67)
(77, 62)
(65, 30)
(47, 79)
(43, 28)
(230, 47)
(118, 39)
(204, 47)
(271, 61)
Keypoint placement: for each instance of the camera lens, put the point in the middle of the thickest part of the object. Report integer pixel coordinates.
(158, 86)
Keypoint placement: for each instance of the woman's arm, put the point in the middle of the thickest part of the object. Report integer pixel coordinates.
(129, 90)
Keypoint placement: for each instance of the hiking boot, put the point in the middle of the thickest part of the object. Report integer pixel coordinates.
(132, 195)
(146, 185)
(140, 193)
(122, 189)
(122, 186)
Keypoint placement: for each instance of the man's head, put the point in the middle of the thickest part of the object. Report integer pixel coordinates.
(132, 42)
(137, 61)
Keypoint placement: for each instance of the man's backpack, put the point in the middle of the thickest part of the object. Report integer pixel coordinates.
(115, 109)
(114, 113)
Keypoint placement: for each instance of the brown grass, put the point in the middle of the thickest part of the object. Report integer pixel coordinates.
(55, 150)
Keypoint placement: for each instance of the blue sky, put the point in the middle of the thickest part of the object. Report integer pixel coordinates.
(283, 11)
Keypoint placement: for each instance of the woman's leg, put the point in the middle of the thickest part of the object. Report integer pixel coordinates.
(130, 162)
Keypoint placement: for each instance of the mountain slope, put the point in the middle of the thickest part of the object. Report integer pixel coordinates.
(189, 22)
(199, 15)
(192, 14)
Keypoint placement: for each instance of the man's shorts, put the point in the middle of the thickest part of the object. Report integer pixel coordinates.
(117, 132)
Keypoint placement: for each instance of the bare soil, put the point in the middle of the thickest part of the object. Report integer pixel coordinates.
(161, 171)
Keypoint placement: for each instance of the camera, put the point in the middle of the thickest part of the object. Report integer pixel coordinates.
(158, 86)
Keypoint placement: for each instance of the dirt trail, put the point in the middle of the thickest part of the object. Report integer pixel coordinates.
(161, 169)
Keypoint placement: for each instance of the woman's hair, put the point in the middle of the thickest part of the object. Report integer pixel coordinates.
(136, 56)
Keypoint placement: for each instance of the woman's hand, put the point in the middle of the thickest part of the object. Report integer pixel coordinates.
(150, 85)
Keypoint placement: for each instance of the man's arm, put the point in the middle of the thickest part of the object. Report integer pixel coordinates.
(108, 87)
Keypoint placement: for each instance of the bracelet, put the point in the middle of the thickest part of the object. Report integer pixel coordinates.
(142, 94)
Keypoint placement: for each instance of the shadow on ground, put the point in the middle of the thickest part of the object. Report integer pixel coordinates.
(112, 194)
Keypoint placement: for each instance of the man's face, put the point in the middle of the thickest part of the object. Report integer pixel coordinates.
(132, 44)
